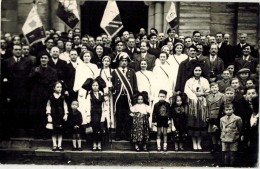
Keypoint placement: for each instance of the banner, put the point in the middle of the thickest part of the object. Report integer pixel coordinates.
(33, 29)
(171, 16)
(68, 12)
(111, 21)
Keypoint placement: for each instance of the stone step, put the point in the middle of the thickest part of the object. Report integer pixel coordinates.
(106, 155)
(86, 144)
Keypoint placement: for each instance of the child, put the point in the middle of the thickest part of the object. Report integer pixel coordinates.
(57, 112)
(212, 77)
(161, 118)
(243, 75)
(214, 101)
(94, 103)
(74, 122)
(231, 126)
(236, 86)
(250, 83)
(179, 108)
(140, 127)
(231, 68)
(225, 81)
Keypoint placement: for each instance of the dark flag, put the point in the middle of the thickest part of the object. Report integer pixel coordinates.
(111, 21)
(33, 29)
(68, 12)
(171, 16)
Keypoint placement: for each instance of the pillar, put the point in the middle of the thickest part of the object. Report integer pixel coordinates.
(151, 10)
(9, 17)
(158, 16)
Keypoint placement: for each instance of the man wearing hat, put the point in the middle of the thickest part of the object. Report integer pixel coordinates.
(246, 60)
(124, 86)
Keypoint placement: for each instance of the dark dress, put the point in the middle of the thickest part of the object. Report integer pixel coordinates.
(96, 113)
(57, 113)
(180, 122)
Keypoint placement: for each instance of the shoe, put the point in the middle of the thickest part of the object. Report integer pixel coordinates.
(165, 149)
(158, 149)
(137, 149)
(74, 149)
(54, 148)
(94, 149)
(79, 149)
(60, 149)
(99, 149)
(181, 149)
(176, 149)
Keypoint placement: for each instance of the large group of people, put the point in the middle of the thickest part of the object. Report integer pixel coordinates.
(193, 86)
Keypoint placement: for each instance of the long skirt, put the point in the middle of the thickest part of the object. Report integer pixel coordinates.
(140, 129)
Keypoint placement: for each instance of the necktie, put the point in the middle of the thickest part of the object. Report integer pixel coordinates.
(123, 70)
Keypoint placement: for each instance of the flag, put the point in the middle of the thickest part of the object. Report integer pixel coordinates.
(33, 29)
(111, 21)
(171, 16)
(68, 12)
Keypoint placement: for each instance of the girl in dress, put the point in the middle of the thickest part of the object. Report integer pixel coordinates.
(140, 127)
(57, 111)
(94, 102)
(83, 72)
(175, 59)
(196, 88)
(179, 109)
(163, 75)
(105, 73)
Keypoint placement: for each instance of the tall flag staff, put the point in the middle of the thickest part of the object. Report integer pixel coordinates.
(33, 29)
(68, 12)
(111, 21)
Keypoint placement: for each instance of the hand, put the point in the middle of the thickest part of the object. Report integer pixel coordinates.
(169, 122)
(131, 114)
(242, 138)
(66, 93)
(37, 69)
(65, 117)
(5, 80)
(8, 100)
(49, 118)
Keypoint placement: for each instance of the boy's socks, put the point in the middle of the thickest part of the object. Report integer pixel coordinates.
(79, 143)
(158, 143)
(74, 143)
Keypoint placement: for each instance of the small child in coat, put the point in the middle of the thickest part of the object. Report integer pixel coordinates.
(214, 101)
(57, 111)
(179, 110)
(231, 126)
(74, 122)
(162, 118)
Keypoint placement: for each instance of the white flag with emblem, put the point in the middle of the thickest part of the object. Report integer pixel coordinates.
(171, 16)
(33, 29)
(111, 21)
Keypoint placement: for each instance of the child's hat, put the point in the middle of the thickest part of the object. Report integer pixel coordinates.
(244, 70)
(163, 92)
(88, 83)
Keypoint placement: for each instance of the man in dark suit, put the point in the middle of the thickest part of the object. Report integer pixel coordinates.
(124, 86)
(246, 60)
(214, 62)
(186, 68)
(144, 55)
(15, 79)
(171, 32)
(131, 49)
(69, 75)
(153, 45)
(26, 54)
(56, 63)
(225, 51)
(242, 42)
(196, 37)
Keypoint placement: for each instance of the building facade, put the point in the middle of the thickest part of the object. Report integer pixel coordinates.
(207, 17)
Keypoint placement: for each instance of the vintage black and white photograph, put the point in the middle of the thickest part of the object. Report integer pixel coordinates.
(131, 84)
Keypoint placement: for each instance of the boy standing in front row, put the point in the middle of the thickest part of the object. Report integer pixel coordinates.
(231, 126)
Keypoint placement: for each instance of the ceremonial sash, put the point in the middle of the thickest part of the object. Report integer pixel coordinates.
(91, 71)
(126, 85)
(146, 78)
(164, 72)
